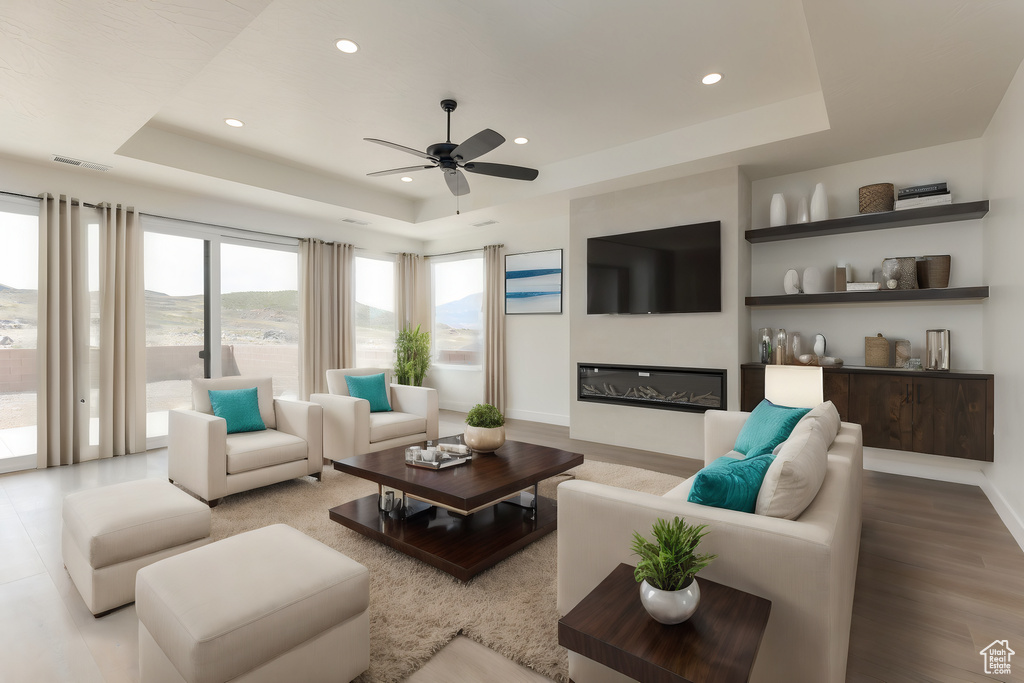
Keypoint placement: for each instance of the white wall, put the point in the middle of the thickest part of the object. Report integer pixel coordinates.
(709, 340)
(1004, 323)
(844, 327)
(537, 346)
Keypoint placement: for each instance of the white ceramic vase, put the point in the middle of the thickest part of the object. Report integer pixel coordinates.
(819, 345)
(670, 607)
(777, 214)
(485, 439)
(803, 214)
(819, 203)
(812, 281)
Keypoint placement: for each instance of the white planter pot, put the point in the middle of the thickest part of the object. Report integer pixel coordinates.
(485, 439)
(670, 607)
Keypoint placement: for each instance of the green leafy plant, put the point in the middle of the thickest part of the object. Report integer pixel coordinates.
(412, 356)
(484, 415)
(672, 561)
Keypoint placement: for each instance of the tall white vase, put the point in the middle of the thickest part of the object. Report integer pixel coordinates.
(819, 203)
(777, 214)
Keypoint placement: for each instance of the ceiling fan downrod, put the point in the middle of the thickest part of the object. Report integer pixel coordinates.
(449, 107)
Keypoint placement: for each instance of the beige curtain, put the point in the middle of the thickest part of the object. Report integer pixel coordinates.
(494, 326)
(122, 347)
(63, 334)
(412, 305)
(326, 312)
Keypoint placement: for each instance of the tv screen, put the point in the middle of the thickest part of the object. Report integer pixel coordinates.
(668, 270)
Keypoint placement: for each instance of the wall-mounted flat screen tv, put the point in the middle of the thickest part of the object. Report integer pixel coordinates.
(668, 270)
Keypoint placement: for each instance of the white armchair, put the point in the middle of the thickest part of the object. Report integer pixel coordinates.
(209, 462)
(351, 429)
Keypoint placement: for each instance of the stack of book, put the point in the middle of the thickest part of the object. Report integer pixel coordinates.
(915, 197)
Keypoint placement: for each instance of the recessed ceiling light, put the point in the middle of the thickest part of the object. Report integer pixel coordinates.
(235, 123)
(347, 46)
(406, 179)
(711, 79)
(520, 141)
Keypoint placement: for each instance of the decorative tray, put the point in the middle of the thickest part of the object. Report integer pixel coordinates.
(446, 460)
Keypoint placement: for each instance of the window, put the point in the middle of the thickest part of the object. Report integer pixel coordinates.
(259, 315)
(375, 312)
(19, 296)
(458, 295)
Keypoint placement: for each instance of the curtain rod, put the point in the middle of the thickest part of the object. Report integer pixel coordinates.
(454, 253)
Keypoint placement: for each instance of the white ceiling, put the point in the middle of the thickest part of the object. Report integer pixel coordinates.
(608, 92)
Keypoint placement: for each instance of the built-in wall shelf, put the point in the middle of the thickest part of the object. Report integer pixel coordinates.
(884, 220)
(872, 296)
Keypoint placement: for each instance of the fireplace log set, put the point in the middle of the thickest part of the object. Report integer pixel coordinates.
(649, 393)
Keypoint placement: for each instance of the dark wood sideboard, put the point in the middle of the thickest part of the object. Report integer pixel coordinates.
(940, 413)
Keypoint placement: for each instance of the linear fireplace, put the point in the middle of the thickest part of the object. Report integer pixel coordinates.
(691, 389)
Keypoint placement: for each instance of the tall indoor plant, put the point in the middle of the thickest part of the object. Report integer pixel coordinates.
(412, 356)
(667, 569)
(485, 428)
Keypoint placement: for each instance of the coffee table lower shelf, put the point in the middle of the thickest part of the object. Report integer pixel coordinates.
(460, 546)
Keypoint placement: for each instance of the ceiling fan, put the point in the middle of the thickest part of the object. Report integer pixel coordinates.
(451, 157)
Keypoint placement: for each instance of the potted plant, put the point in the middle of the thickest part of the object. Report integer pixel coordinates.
(667, 569)
(485, 428)
(412, 356)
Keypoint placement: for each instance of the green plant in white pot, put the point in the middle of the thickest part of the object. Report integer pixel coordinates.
(485, 428)
(667, 569)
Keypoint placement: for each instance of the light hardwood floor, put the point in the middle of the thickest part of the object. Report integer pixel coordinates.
(939, 578)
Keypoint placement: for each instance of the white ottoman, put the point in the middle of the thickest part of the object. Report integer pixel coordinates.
(111, 532)
(267, 605)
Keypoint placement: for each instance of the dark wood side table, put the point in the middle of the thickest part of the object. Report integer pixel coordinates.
(718, 644)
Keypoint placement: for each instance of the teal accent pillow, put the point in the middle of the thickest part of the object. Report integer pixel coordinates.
(730, 483)
(371, 388)
(767, 427)
(240, 408)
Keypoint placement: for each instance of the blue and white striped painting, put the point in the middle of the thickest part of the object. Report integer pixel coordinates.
(533, 282)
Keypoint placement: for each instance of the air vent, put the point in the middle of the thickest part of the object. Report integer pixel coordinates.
(483, 224)
(354, 221)
(78, 162)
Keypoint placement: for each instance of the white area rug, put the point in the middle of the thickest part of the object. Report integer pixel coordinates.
(415, 609)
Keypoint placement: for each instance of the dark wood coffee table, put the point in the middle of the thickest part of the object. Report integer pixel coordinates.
(470, 517)
(718, 644)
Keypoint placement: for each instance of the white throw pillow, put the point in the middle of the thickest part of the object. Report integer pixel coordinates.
(794, 478)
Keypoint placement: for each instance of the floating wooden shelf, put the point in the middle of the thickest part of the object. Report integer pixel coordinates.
(871, 221)
(871, 296)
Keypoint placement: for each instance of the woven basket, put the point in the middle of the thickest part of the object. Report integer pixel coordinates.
(876, 351)
(877, 197)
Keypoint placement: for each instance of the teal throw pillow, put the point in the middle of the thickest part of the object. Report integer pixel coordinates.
(730, 483)
(372, 388)
(767, 427)
(240, 408)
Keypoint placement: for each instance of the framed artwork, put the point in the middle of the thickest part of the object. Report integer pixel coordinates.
(533, 282)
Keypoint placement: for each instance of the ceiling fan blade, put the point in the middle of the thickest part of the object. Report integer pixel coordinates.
(406, 169)
(503, 171)
(402, 148)
(478, 145)
(457, 183)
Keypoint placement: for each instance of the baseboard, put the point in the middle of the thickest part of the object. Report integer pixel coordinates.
(455, 405)
(17, 463)
(533, 416)
(923, 466)
(1012, 520)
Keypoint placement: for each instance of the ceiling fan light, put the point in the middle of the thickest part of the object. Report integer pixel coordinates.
(347, 46)
(711, 79)
(521, 141)
(406, 179)
(234, 123)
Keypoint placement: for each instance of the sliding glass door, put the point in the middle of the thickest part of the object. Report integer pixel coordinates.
(175, 283)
